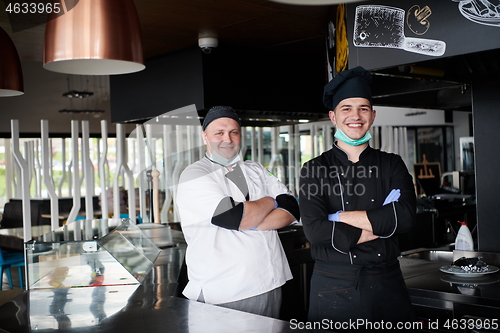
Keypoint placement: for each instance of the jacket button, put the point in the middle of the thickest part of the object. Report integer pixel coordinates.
(347, 202)
(379, 254)
(373, 200)
(354, 256)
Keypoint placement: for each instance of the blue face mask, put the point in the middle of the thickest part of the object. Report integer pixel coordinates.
(344, 138)
(217, 158)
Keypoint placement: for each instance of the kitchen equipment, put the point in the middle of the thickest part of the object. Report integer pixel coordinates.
(479, 280)
(448, 269)
(383, 26)
(464, 241)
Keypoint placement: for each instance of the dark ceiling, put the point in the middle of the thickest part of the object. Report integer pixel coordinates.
(172, 25)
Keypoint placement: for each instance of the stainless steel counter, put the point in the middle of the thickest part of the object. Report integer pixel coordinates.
(126, 309)
(149, 307)
(154, 307)
(440, 296)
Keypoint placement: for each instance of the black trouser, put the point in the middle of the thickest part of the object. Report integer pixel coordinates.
(346, 293)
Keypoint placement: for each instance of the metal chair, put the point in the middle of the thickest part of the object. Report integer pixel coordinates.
(8, 260)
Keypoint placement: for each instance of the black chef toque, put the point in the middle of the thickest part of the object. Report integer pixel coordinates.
(351, 83)
(220, 112)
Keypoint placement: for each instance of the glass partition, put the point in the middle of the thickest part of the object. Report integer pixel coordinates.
(86, 253)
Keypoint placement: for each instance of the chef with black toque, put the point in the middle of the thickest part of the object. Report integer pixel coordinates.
(354, 202)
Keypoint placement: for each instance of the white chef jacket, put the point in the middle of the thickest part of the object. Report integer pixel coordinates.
(228, 265)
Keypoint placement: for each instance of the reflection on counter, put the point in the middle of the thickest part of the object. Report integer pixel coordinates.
(89, 253)
(149, 307)
(469, 286)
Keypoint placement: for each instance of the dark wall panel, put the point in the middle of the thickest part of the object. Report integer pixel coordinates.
(250, 79)
(246, 79)
(164, 85)
(486, 117)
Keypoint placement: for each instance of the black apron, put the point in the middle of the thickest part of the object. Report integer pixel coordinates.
(347, 293)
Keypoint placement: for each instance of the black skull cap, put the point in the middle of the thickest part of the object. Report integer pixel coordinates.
(220, 112)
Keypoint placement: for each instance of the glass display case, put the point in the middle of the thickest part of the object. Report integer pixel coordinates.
(86, 253)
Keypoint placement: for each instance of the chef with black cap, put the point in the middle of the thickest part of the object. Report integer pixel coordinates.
(354, 202)
(230, 210)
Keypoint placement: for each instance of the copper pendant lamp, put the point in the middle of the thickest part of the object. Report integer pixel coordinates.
(96, 37)
(11, 74)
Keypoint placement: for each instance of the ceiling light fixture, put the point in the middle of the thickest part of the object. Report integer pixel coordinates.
(11, 74)
(77, 94)
(314, 2)
(96, 37)
(415, 113)
(81, 111)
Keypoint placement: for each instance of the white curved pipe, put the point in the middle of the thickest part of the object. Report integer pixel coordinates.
(18, 189)
(326, 134)
(36, 168)
(88, 170)
(243, 143)
(76, 172)
(28, 155)
(274, 149)
(260, 148)
(167, 170)
(156, 202)
(142, 172)
(151, 165)
(25, 187)
(201, 150)
(296, 158)
(102, 169)
(253, 144)
(276, 163)
(120, 164)
(395, 148)
(189, 141)
(291, 162)
(47, 179)
(179, 165)
(131, 186)
(313, 140)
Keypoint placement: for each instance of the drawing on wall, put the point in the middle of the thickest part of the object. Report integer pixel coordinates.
(485, 12)
(417, 19)
(383, 26)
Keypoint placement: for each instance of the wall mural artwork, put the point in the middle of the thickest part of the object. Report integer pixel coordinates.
(383, 26)
(417, 19)
(485, 12)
